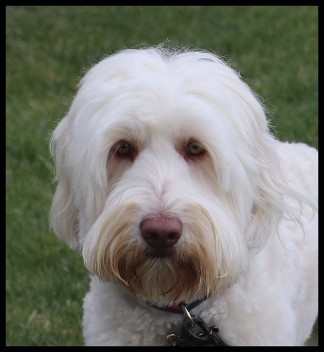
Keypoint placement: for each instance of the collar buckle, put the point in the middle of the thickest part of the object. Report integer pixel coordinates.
(195, 332)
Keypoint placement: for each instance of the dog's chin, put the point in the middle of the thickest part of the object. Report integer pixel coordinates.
(162, 277)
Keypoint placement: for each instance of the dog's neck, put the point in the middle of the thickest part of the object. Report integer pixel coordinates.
(207, 336)
(177, 308)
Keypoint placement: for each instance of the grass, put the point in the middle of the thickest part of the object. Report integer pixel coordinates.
(47, 49)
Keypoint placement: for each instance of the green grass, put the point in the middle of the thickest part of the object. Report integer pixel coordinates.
(47, 49)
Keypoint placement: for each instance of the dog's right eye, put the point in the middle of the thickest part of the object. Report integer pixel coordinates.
(124, 150)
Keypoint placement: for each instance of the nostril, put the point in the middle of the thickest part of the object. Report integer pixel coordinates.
(161, 232)
(173, 238)
(152, 238)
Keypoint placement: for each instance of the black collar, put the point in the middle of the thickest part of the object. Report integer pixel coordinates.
(177, 308)
(208, 335)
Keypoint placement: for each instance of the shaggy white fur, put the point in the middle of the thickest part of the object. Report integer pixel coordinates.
(172, 188)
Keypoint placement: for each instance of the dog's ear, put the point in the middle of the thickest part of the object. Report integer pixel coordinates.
(270, 204)
(63, 213)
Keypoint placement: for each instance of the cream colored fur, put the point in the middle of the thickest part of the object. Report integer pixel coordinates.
(246, 203)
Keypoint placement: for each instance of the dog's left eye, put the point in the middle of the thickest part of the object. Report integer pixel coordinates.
(195, 149)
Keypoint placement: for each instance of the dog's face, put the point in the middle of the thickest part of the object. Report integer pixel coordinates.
(166, 175)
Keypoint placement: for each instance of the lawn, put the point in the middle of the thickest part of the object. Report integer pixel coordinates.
(48, 48)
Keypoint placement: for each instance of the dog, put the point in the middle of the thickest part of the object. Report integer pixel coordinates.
(195, 222)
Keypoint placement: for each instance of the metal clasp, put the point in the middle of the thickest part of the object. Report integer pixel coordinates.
(187, 314)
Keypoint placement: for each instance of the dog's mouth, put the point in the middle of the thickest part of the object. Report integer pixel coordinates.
(159, 253)
(158, 275)
(160, 269)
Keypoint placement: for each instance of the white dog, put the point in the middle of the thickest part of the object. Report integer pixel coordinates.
(181, 201)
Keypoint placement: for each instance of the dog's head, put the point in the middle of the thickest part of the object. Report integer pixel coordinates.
(167, 175)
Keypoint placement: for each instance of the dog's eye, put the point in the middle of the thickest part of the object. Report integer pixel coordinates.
(124, 149)
(195, 149)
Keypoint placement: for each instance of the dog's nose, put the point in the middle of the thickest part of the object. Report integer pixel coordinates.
(161, 232)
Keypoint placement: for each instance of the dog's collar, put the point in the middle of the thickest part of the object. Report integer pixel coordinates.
(208, 335)
(177, 308)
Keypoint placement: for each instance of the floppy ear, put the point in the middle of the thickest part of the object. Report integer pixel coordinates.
(63, 213)
(270, 204)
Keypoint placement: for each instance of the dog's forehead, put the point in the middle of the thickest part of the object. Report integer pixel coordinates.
(167, 100)
(160, 108)
(169, 121)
